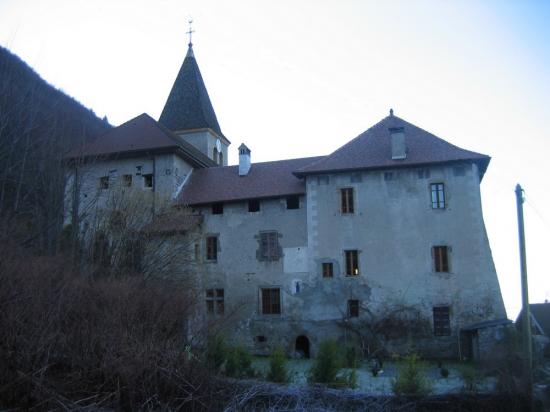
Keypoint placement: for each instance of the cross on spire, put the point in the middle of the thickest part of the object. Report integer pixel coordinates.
(190, 32)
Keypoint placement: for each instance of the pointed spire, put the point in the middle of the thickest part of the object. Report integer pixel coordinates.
(188, 105)
(190, 51)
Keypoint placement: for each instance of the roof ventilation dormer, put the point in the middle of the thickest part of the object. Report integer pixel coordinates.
(398, 145)
(244, 160)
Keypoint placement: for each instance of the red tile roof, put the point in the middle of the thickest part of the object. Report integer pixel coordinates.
(176, 222)
(140, 134)
(372, 150)
(369, 150)
(223, 184)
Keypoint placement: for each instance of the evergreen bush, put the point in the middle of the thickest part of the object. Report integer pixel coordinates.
(327, 367)
(239, 363)
(277, 367)
(216, 352)
(327, 364)
(410, 380)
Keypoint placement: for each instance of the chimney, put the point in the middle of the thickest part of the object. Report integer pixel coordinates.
(244, 160)
(398, 146)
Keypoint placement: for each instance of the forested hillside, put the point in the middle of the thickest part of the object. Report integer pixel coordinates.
(38, 125)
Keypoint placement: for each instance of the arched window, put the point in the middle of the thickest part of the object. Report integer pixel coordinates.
(221, 159)
(215, 155)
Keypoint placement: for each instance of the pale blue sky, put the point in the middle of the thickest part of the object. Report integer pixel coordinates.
(300, 78)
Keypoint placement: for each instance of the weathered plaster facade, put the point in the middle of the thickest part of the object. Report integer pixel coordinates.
(393, 228)
(295, 251)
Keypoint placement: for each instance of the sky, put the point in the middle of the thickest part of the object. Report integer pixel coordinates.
(301, 78)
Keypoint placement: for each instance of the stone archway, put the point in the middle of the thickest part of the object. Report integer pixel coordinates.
(302, 346)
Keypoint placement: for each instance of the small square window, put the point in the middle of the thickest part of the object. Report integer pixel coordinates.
(459, 171)
(253, 205)
(346, 200)
(441, 258)
(423, 173)
(353, 308)
(356, 177)
(212, 248)
(217, 208)
(293, 202)
(328, 270)
(438, 195)
(323, 180)
(104, 182)
(388, 176)
(127, 180)
(148, 180)
(442, 320)
(352, 262)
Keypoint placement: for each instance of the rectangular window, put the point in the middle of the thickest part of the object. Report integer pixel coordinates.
(127, 180)
(346, 200)
(352, 262)
(423, 173)
(104, 182)
(148, 180)
(328, 270)
(217, 208)
(253, 205)
(438, 195)
(322, 180)
(293, 202)
(388, 176)
(442, 321)
(215, 301)
(353, 308)
(269, 246)
(356, 177)
(212, 248)
(271, 301)
(459, 171)
(441, 258)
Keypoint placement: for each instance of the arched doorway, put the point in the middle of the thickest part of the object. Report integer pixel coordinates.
(302, 345)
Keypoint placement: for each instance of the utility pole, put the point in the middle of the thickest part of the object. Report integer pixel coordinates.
(526, 321)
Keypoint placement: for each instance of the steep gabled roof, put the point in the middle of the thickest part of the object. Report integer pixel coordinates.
(188, 105)
(372, 150)
(264, 180)
(141, 134)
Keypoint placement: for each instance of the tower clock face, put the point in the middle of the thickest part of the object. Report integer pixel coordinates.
(218, 145)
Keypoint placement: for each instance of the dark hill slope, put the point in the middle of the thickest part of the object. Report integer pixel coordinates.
(38, 124)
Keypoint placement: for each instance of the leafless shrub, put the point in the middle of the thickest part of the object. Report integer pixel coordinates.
(377, 330)
(73, 342)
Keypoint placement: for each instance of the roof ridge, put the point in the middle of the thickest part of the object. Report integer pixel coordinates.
(367, 150)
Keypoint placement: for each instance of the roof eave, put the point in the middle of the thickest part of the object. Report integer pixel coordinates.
(483, 162)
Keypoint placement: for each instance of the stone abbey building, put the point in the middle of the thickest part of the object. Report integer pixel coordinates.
(385, 232)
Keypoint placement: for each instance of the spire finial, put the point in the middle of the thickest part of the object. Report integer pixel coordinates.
(391, 112)
(190, 32)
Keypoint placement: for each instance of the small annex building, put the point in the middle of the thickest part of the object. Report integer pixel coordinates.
(380, 244)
